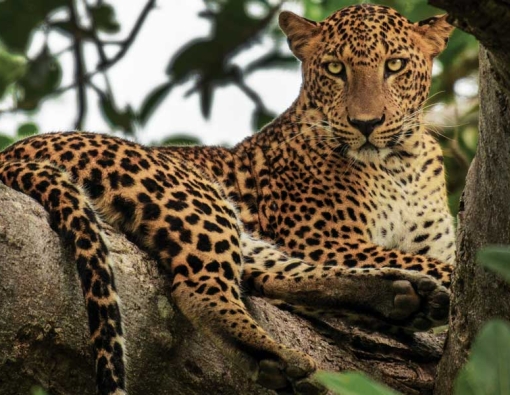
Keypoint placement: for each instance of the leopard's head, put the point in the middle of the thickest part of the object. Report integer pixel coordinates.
(366, 75)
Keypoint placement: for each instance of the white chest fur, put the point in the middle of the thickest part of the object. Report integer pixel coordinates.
(411, 217)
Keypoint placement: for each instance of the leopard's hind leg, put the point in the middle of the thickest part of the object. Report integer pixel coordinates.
(194, 232)
(74, 219)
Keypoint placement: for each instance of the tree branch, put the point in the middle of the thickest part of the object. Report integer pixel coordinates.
(484, 214)
(48, 344)
(131, 37)
(105, 64)
(80, 67)
(94, 36)
(487, 20)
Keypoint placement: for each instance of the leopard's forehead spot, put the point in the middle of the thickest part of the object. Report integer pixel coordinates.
(365, 31)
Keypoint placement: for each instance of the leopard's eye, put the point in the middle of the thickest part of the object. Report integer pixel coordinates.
(335, 68)
(395, 65)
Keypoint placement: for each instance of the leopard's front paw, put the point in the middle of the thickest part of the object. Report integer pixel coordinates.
(290, 375)
(419, 302)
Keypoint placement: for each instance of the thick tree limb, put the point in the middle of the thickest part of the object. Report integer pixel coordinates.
(488, 21)
(43, 331)
(485, 207)
(484, 219)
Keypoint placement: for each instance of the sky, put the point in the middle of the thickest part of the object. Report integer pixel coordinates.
(168, 27)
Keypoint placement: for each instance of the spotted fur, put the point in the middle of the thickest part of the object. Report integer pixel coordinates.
(336, 207)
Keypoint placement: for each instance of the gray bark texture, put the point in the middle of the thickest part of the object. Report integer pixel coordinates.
(44, 335)
(484, 215)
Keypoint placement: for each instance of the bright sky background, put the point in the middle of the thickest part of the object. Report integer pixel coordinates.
(167, 28)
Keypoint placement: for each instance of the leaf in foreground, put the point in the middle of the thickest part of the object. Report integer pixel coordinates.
(497, 259)
(488, 367)
(352, 383)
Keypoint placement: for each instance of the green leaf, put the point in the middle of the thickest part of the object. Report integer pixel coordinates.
(65, 27)
(261, 118)
(42, 77)
(27, 129)
(18, 19)
(352, 383)
(104, 18)
(497, 259)
(488, 367)
(468, 135)
(181, 139)
(153, 100)
(5, 141)
(209, 58)
(36, 390)
(197, 57)
(12, 68)
(122, 119)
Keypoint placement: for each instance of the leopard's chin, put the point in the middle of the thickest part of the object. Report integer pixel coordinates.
(369, 153)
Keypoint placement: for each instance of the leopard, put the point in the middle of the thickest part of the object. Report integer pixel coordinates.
(338, 206)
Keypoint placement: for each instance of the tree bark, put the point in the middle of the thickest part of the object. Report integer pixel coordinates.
(44, 335)
(484, 215)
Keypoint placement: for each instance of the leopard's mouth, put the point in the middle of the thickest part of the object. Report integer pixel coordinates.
(368, 146)
(345, 148)
(396, 138)
(349, 144)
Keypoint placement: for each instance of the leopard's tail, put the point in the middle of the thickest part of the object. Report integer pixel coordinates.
(74, 219)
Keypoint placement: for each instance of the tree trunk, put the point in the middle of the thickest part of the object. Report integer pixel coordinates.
(484, 215)
(43, 330)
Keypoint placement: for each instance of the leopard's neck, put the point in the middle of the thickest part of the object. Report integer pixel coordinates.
(278, 148)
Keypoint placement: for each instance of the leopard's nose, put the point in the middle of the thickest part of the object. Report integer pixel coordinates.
(366, 127)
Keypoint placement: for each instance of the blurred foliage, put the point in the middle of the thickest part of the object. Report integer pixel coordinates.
(180, 139)
(485, 373)
(24, 130)
(496, 259)
(12, 68)
(26, 81)
(352, 383)
(486, 370)
(36, 390)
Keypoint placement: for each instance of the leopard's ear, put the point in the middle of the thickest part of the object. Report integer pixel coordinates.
(435, 32)
(299, 31)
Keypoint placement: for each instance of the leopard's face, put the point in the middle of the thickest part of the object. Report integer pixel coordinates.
(366, 76)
